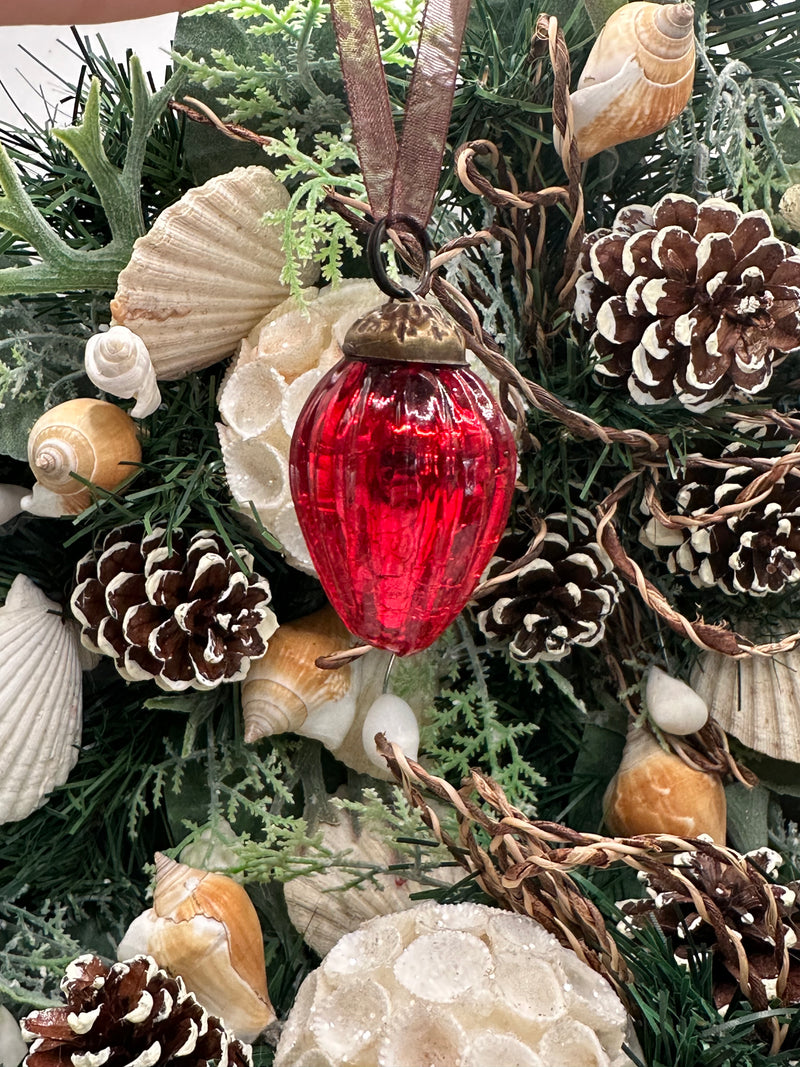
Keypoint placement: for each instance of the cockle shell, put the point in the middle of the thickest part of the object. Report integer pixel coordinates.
(655, 792)
(672, 705)
(40, 699)
(117, 361)
(453, 985)
(92, 438)
(757, 699)
(207, 271)
(278, 365)
(204, 928)
(285, 691)
(638, 76)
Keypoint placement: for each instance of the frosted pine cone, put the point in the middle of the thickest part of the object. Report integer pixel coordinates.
(546, 599)
(689, 301)
(127, 1013)
(185, 618)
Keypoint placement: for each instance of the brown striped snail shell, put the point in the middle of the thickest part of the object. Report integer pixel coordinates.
(92, 438)
(638, 76)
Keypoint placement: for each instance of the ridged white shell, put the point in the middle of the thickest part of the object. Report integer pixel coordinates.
(278, 365)
(207, 271)
(117, 361)
(40, 699)
(756, 699)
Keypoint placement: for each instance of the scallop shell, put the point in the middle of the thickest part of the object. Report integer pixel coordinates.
(638, 76)
(203, 927)
(40, 699)
(757, 699)
(655, 792)
(207, 271)
(92, 438)
(278, 365)
(117, 361)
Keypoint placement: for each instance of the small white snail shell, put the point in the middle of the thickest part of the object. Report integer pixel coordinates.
(392, 716)
(673, 705)
(117, 361)
(12, 1047)
(638, 76)
(92, 438)
(11, 504)
(203, 927)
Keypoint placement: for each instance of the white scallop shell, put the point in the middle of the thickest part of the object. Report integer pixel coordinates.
(206, 273)
(117, 361)
(40, 699)
(757, 699)
(277, 366)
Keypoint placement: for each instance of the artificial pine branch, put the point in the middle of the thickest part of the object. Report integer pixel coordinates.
(63, 267)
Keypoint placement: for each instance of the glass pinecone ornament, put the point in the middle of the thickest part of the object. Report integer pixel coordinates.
(755, 550)
(185, 617)
(545, 598)
(128, 1013)
(689, 301)
(717, 900)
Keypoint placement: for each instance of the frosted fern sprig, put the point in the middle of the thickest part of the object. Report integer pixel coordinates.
(64, 268)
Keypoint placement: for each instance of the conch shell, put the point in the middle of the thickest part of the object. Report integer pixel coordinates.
(655, 792)
(638, 76)
(207, 271)
(117, 361)
(285, 691)
(92, 438)
(204, 928)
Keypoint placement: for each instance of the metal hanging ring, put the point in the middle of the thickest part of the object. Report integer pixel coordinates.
(377, 266)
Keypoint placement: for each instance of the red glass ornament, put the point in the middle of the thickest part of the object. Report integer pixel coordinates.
(402, 475)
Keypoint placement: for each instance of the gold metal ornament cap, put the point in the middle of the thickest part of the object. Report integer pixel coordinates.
(411, 332)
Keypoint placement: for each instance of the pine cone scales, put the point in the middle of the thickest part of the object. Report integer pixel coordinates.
(550, 598)
(128, 1015)
(687, 300)
(188, 617)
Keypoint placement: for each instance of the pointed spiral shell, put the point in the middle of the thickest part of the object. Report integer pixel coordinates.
(117, 361)
(638, 76)
(92, 438)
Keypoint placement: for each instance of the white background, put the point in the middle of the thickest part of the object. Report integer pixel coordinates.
(24, 79)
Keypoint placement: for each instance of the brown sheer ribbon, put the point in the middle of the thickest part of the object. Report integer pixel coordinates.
(400, 181)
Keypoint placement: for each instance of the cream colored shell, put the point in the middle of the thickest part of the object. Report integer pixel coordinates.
(789, 206)
(655, 792)
(41, 705)
(757, 699)
(672, 705)
(285, 691)
(117, 361)
(453, 985)
(92, 438)
(638, 76)
(203, 927)
(207, 271)
(278, 365)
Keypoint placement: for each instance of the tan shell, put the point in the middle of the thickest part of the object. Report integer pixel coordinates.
(92, 438)
(207, 271)
(41, 707)
(638, 76)
(757, 699)
(655, 792)
(203, 927)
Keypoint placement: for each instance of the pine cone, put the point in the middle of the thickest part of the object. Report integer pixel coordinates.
(687, 300)
(737, 904)
(187, 617)
(548, 598)
(127, 1013)
(755, 550)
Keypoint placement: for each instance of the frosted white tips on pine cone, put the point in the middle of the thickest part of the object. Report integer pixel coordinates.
(638, 76)
(673, 705)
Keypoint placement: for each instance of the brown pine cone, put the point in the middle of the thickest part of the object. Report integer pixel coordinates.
(188, 617)
(546, 599)
(125, 1014)
(689, 301)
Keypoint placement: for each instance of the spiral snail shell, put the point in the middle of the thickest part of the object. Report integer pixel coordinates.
(117, 361)
(92, 438)
(638, 76)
